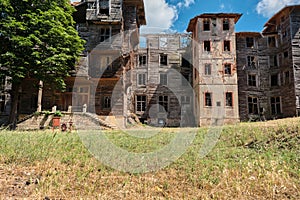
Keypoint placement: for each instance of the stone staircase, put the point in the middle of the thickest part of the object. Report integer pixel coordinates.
(87, 120)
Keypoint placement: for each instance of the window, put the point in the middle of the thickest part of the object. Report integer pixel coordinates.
(163, 42)
(226, 45)
(142, 60)
(287, 77)
(207, 69)
(207, 97)
(140, 103)
(163, 59)
(163, 79)
(143, 42)
(252, 80)
(105, 34)
(229, 99)
(163, 101)
(207, 46)
(106, 63)
(249, 42)
(274, 80)
(272, 41)
(141, 79)
(252, 105)
(273, 61)
(185, 100)
(206, 24)
(286, 54)
(184, 41)
(104, 7)
(275, 105)
(251, 61)
(107, 102)
(227, 69)
(225, 24)
(298, 101)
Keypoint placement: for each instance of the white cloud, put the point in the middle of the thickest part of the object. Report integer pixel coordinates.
(159, 15)
(185, 3)
(268, 8)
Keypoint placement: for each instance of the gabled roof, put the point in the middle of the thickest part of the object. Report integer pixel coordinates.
(193, 21)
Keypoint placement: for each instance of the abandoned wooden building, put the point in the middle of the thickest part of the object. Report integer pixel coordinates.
(212, 76)
(268, 68)
(215, 73)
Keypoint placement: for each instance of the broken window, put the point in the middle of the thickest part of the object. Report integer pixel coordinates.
(163, 79)
(275, 105)
(227, 69)
(206, 24)
(163, 42)
(273, 61)
(249, 42)
(252, 80)
(207, 69)
(229, 99)
(226, 45)
(163, 102)
(208, 97)
(251, 61)
(141, 79)
(274, 80)
(225, 24)
(163, 59)
(143, 42)
(104, 6)
(207, 46)
(107, 102)
(142, 60)
(272, 41)
(105, 34)
(252, 105)
(140, 103)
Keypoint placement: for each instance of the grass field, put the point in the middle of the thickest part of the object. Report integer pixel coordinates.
(250, 161)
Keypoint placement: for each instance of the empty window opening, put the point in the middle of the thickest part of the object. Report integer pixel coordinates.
(274, 80)
(206, 24)
(208, 97)
(225, 24)
(142, 60)
(273, 61)
(275, 105)
(227, 69)
(107, 102)
(272, 41)
(249, 42)
(251, 61)
(163, 59)
(226, 45)
(207, 46)
(207, 69)
(229, 99)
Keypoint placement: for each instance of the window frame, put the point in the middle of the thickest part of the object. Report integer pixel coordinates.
(229, 99)
(208, 99)
(206, 24)
(207, 69)
(254, 105)
(226, 67)
(275, 105)
(207, 43)
(106, 102)
(247, 42)
(163, 78)
(226, 46)
(163, 59)
(250, 81)
(105, 37)
(226, 24)
(163, 101)
(140, 104)
(141, 79)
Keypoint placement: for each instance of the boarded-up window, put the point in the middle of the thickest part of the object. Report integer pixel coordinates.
(252, 105)
(140, 103)
(208, 99)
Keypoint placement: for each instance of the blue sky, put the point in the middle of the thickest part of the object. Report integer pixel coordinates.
(164, 15)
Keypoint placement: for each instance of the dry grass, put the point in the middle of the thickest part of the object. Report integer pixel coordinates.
(250, 161)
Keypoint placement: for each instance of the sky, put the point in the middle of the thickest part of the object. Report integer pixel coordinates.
(174, 15)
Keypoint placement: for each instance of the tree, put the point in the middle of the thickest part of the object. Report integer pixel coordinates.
(39, 40)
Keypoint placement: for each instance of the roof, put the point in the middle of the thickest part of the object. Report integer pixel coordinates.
(193, 21)
(279, 12)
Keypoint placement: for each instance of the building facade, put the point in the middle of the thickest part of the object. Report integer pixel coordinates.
(267, 68)
(215, 72)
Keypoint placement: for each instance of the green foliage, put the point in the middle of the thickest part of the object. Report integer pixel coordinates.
(38, 40)
(58, 114)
